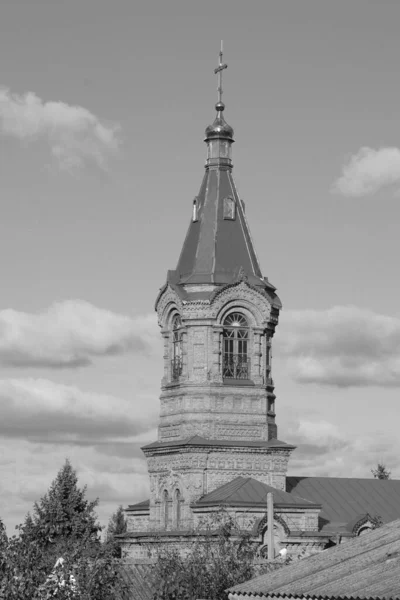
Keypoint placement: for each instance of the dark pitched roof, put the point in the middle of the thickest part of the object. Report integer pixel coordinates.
(197, 440)
(245, 491)
(215, 247)
(365, 567)
(345, 499)
(139, 505)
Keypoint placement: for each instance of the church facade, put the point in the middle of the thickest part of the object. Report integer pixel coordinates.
(218, 444)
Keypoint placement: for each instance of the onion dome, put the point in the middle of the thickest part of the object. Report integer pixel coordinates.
(220, 128)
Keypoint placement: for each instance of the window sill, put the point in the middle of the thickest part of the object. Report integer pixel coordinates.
(236, 382)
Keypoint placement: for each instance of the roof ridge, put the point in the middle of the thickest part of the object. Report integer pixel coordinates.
(245, 480)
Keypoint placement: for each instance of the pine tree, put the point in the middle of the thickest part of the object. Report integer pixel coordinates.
(116, 525)
(380, 472)
(63, 525)
(64, 512)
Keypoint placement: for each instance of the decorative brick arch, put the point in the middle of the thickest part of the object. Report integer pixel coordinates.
(366, 522)
(167, 302)
(241, 296)
(261, 525)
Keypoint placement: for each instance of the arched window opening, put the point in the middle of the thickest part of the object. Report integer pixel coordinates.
(177, 507)
(268, 362)
(363, 530)
(236, 362)
(176, 366)
(277, 542)
(166, 508)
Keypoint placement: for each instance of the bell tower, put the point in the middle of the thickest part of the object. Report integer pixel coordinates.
(217, 315)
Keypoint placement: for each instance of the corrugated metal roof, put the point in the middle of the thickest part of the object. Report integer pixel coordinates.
(345, 499)
(364, 567)
(250, 492)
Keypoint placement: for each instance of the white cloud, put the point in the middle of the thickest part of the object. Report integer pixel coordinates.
(343, 346)
(75, 135)
(368, 171)
(323, 449)
(45, 411)
(70, 334)
(43, 422)
(28, 468)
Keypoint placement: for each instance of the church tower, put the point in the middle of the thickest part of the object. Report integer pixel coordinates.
(217, 315)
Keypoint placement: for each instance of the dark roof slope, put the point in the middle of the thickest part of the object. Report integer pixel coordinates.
(143, 505)
(245, 491)
(364, 567)
(345, 499)
(215, 247)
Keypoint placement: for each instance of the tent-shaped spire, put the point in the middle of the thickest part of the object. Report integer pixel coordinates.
(218, 247)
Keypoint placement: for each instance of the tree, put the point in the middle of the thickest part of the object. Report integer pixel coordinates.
(380, 472)
(63, 526)
(116, 525)
(220, 557)
(64, 512)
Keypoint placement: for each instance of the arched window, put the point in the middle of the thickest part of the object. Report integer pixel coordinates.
(236, 363)
(166, 508)
(177, 507)
(176, 366)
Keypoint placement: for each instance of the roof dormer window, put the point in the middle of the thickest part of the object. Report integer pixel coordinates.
(194, 212)
(229, 208)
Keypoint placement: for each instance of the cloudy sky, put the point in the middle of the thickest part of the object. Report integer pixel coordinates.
(103, 107)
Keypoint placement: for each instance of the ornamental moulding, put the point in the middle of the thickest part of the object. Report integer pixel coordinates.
(166, 300)
(277, 518)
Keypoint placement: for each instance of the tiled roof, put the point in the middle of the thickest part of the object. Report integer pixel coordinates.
(364, 567)
(345, 499)
(245, 491)
(197, 440)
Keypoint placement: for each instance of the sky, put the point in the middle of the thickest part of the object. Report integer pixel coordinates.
(103, 107)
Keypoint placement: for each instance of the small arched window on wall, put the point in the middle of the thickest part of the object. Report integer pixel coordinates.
(177, 507)
(176, 362)
(165, 508)
(236, 362)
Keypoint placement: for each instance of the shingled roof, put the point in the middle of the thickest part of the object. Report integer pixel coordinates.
(366, 567)
(344, 500)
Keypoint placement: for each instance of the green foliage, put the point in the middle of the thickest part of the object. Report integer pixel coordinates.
(64, 512)
(380, 472)
(63, 526)
(116, 525)
(221, 556)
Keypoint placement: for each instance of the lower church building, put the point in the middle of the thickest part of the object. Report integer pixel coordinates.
(218, 445)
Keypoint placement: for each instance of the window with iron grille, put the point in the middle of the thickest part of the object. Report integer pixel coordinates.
(236, 362)
(176, 363)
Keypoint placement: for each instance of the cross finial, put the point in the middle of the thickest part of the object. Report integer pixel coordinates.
(218, 72)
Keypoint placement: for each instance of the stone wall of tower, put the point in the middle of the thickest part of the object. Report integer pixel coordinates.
(200, 401)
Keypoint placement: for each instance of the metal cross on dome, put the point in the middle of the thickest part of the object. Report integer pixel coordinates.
(218, 72)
